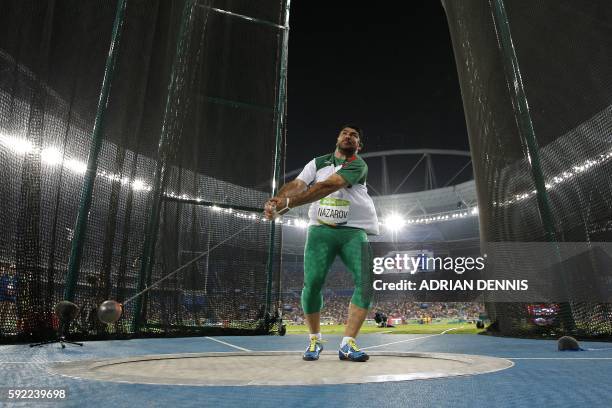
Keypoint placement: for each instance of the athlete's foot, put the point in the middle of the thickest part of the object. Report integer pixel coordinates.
(315, 347)
(351, 352)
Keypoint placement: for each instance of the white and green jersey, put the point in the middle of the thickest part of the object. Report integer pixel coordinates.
(350, 206)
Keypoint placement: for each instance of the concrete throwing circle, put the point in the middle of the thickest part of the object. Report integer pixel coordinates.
(278, 368)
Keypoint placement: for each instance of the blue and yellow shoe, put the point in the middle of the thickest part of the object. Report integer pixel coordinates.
(314, 349)
(351, 352)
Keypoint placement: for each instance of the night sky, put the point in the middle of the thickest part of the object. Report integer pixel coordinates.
(389, 70)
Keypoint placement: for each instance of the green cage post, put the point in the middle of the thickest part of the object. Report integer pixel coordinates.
(527, 133)
(80, 230)
(279, 121)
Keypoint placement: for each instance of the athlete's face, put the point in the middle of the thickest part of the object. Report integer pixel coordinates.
(348, 139)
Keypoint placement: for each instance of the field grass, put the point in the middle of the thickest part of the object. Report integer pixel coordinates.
(432, 328)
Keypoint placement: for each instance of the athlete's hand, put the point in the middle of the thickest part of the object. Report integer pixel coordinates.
(269, 209)
(275, 207)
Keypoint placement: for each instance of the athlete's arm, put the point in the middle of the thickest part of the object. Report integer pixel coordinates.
(288, 190)
(318, 190)
(292, 188)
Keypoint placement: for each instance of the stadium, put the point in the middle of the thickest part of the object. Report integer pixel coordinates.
(141, 262)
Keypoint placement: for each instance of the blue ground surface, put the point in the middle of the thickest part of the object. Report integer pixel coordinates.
(541, 377)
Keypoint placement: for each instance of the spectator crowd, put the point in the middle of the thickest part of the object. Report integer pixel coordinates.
(335, 309)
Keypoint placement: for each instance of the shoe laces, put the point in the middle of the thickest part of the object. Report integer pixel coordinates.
(353, 345)
(313, 343)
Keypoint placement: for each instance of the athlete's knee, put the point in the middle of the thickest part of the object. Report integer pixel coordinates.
(313, 283)
(314, 279)
(312, 301)
(362, 297)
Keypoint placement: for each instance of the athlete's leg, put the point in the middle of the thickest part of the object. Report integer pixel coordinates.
(356, 317)
(313, 321)
(319, 253)
(356, 255)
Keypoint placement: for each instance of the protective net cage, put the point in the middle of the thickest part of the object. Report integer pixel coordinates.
(537, 90)
(191, 141)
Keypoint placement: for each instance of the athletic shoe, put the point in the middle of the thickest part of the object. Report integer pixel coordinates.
(350, 351)
(314, 349)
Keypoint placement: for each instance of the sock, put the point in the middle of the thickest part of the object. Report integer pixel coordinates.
(345, 340)
(317, 335)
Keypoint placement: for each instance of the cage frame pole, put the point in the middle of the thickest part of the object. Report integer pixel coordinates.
(80, 230)
(527, 132)
(161, 168)
(523, 117)
(279, 120)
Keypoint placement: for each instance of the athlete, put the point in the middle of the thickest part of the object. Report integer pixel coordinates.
(341, 215)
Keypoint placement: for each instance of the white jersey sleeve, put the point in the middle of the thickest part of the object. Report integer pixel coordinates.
(309, 173)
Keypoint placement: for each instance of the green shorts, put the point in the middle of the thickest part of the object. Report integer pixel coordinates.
(323, 244)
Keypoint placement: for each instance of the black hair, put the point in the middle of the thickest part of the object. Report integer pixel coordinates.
(358, 129)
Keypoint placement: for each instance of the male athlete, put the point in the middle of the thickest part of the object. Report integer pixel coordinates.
(341, 214)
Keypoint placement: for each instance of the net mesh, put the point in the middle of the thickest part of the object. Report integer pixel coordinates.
(563, 51)
(213, 135)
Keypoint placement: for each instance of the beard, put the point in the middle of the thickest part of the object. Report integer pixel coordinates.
(347, 149)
